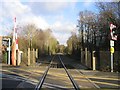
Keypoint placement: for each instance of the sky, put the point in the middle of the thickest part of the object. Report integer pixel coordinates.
(60, 16)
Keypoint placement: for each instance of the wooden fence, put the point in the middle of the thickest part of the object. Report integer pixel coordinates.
(30, 56)
(100, 60)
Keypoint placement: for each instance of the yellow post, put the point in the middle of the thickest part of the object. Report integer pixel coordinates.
(28, 56)
(94, 61)
(36, 53)
(112, 51)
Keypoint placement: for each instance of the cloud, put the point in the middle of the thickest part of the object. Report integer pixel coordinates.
(62, 37)
(50, 0)
(44, 8)
(12, 9)
(55, 6)
(36, 20)
(25, 15)
(63, 26)
(62, 30)
(8, 11)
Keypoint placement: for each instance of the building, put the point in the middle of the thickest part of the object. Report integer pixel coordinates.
(3, 47)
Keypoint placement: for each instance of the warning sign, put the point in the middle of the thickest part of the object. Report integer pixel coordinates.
(112, 49)
(111, 43)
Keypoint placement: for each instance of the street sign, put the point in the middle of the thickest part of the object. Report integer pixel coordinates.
(111, 43)
(112, 50)
(8, 49)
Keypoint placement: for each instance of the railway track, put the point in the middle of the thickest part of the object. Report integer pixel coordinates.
(59, 76)
(55, 73)
(57, 64)
(81, 79)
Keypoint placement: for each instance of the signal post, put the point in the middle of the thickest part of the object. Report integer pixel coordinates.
(113, 38)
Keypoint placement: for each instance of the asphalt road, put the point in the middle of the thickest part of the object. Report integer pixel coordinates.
(13, 82)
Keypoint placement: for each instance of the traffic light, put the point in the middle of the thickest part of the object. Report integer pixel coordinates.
(113, 32)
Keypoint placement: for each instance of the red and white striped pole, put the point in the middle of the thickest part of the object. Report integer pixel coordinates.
(17, 50)
(14, 44)
(16, 38)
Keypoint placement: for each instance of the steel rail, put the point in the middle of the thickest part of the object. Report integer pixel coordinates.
(69, 75)
(41, 81)
(80, 72)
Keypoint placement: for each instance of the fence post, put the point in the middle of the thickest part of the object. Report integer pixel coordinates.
(81, 55)
(36, 53)
(86, 56)
(94, 60)
(33, 55)
(28, 56)
(18, 59)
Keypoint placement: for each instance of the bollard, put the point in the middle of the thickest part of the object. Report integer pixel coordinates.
(28, 56)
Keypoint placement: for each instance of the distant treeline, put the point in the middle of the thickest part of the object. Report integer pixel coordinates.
(94, 28)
